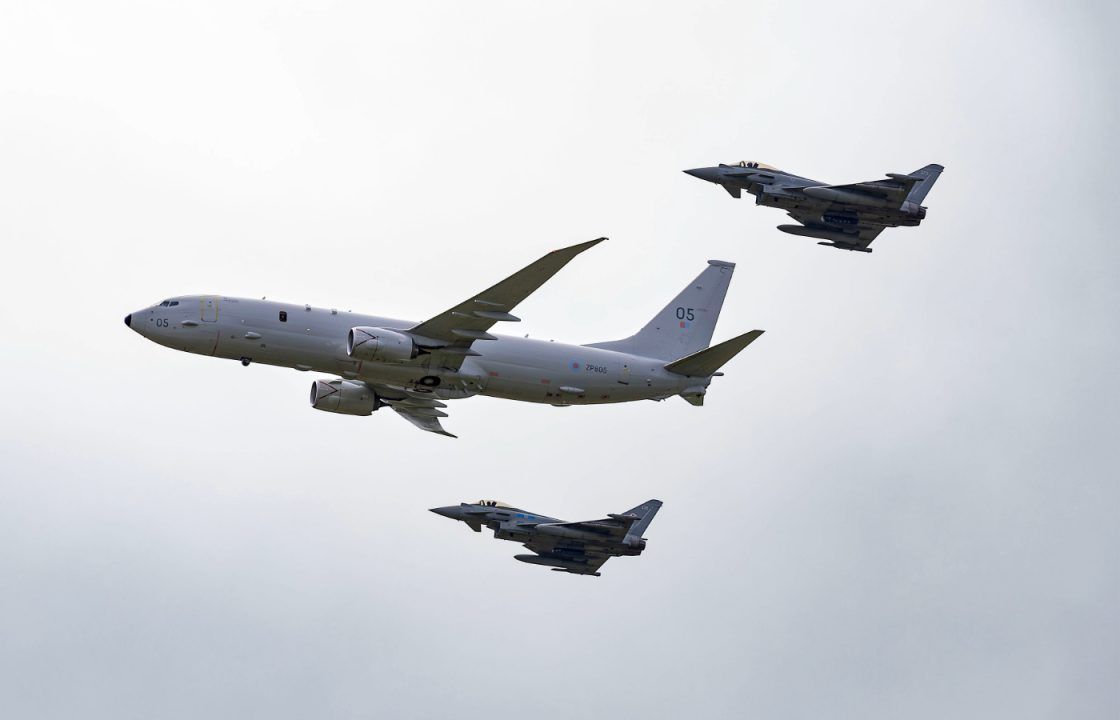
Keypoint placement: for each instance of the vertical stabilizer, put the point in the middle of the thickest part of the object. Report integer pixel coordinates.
(645, 513)
(686, 324)
(929, 175)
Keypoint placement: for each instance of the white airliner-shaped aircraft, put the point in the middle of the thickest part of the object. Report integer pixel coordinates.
(411, 367)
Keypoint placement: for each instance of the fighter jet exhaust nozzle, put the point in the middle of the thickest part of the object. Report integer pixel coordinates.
(638, 544)
(343, 396)
(380, 345)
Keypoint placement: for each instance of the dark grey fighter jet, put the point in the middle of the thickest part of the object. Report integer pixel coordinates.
(848, 217)
(580, 548)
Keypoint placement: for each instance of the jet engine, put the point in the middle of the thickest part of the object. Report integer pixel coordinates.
(379, 345)
(343, 396)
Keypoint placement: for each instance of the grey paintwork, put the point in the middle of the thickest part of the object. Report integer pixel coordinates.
(848, 217)
(646, 366)
(579, 548)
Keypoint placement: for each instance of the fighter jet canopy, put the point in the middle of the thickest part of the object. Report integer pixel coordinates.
(493, 503)
(752, 164)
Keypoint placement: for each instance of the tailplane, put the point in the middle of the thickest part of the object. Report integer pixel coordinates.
(686, 324)
(929, 175)
(706, 362)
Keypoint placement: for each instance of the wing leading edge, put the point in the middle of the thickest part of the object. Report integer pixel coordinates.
(448, 336)
(468, 321)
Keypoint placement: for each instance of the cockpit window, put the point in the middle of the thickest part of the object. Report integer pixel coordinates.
(493, 503)
(165, 303)
(173, 303)
(752, 164)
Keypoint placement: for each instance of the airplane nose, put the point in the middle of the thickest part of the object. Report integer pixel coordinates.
(447, 512)
(703, 173)
(128, 320)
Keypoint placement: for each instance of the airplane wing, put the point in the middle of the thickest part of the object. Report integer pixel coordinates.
(893, 190)
(421, 410)
(452, 332)
(859, 236)
(612, 528)
(423, 420)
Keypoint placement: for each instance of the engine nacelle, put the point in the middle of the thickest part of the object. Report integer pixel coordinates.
(379, 345)
(343, 396)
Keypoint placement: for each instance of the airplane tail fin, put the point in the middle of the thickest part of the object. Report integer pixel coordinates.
(645, 513)
(929, 175)
(706, 362)
(686, 324)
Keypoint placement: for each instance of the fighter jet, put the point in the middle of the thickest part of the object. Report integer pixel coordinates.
(848, 217)
(579, 548)
(414, 367)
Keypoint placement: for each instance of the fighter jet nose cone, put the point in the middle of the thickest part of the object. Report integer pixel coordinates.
(708, 174)
(128, 320)
(447, 512)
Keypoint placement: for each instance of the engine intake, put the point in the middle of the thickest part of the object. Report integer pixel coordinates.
(343, 396)
(379, 345)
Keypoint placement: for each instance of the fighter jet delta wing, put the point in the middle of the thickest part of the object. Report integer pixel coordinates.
(454, 331)
(581, 548)
(846, 238)
(889, 193)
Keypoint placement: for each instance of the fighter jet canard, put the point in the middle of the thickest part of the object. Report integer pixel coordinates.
(848, 217)
(579, 548)
(412, 368)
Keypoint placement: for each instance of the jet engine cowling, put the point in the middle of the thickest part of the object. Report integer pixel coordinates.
(343, 396)
(379, 345)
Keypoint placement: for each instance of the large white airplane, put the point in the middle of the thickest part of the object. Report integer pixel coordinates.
(411, 367)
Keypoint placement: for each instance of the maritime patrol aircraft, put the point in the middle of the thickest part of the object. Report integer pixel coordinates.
(848, 217)
(579, 548)
(413, 367)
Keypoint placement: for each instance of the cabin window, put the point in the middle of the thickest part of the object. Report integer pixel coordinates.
(283, 316)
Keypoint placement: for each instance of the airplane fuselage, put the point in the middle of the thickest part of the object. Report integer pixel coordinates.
(314, 339)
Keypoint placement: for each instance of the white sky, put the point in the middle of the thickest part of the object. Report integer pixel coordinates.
(901, 502)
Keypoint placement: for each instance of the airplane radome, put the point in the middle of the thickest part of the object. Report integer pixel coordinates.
(413, 367)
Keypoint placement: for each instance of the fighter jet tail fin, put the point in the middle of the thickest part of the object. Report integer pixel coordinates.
(928, 175)
(686, 324)
(645, 513)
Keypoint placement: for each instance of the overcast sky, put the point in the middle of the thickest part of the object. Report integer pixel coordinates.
(901, 502)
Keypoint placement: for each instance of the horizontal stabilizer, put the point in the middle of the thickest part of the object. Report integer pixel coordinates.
(706, 362)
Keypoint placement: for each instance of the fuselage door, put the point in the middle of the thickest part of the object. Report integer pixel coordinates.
(624, 374)
(209, 309)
